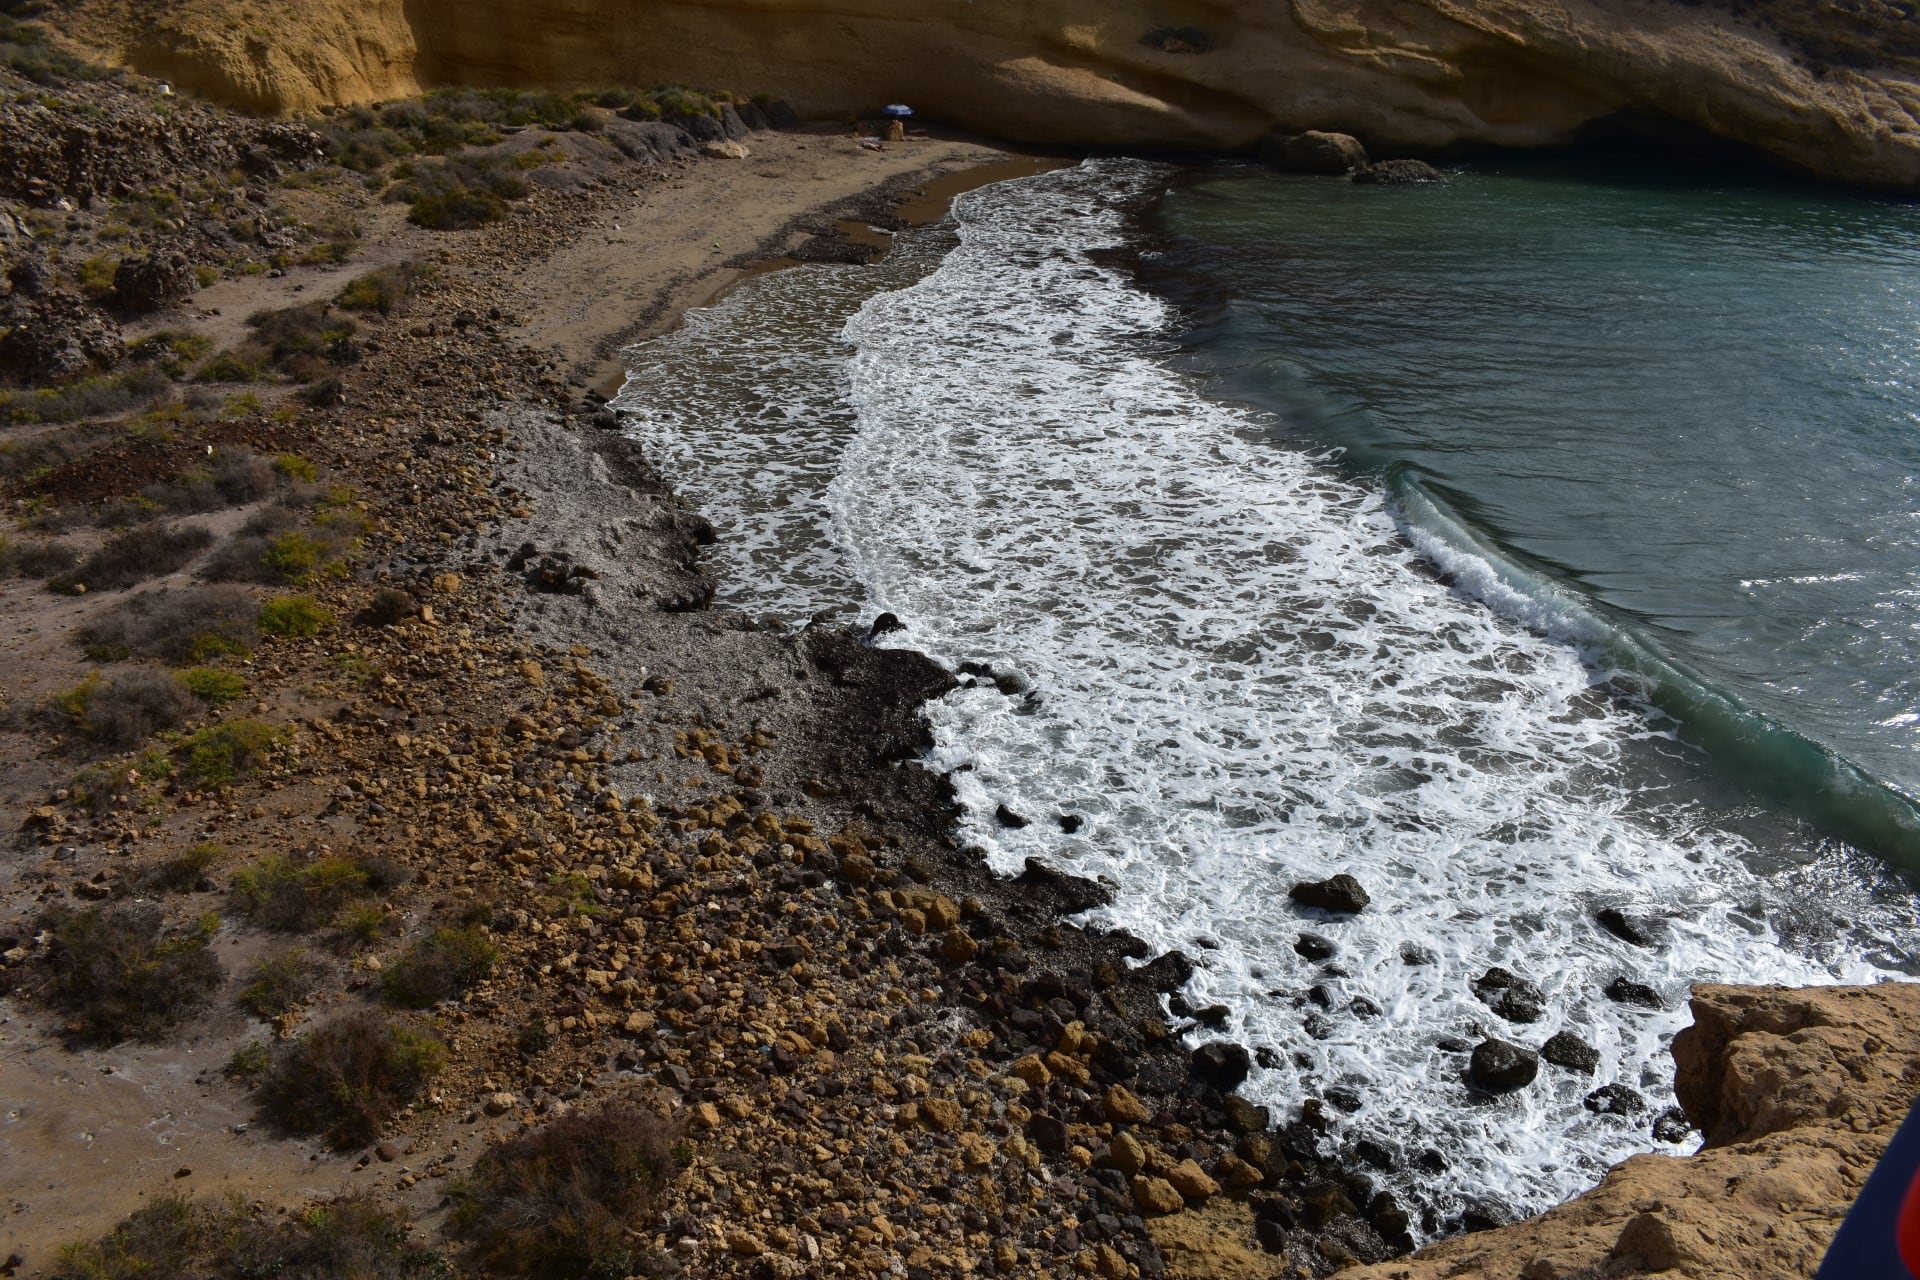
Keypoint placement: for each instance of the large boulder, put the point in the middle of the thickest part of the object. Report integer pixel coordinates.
(1340, 894)
(1500, 1067)
(54, 337)
(153, 283)
(1400, 173)
(1315, 151)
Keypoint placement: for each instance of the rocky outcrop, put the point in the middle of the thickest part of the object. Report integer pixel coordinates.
(1797, 1091)
(1839, 101)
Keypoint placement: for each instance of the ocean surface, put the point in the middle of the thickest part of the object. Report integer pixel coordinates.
(1538, 545)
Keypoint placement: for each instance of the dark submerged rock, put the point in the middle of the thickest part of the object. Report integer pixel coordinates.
(1510, 996)
(885, 624)
(1008, 818)
(1641, 931)
(1627, 991)
(1221, 1065)
(1312, 946)
(1564, 1049)
(1400, 173)
(1615, 1100)
(1341, 894)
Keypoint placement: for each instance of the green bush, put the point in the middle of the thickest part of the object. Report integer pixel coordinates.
(95, 396)
(221, 754)
(295, 894)
(438, 967)
(294, 617)
(214, 685)
(345, 1080)
(117, 975)
(383, 290)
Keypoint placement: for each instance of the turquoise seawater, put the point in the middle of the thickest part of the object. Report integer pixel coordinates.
(1679, 413)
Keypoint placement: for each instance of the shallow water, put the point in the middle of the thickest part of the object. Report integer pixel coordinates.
(1229, 657)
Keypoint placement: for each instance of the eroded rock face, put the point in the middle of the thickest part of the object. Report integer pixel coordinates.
(1798, 1092)
(1780, 78)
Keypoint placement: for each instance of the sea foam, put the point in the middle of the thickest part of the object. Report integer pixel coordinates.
(1233, 664)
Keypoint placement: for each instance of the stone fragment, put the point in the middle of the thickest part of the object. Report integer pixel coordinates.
(1123, 1108)
(1031, 1069)
(941, 1113)
(1191, 1181)
(1315, 151)
(1221, 1065)
(1627, 991)
(1155, 1197)
(1510, 996)
(498, 1104)
(1244, 1117)
(1126, 1154)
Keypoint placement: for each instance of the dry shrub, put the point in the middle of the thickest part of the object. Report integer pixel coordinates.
(134, 556)
(351, 1238)
(117, 976)
(233, 478)
(36, 559)
(130, 706)
(572, 1198)
(184, 872)
(189, 625)
(277, 984)
(346, 1080)
(438, 967)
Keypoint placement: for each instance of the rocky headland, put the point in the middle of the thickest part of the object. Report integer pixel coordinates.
(1824, 89)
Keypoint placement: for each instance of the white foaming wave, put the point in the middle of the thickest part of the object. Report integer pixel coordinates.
(745, 405)
(1245, 679)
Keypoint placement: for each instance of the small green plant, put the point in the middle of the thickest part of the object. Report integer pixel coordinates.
(362, 924)
(576, 894)
(296, 894)
(295, 467)
(184, 872)
(294, 555)
(438, 967)
(345, 1080)
(206, 275)
(214, 685)
(294, 617)
(216, 757)
(96, 275)
(239, 405)
(277, 984)
(248, 1061)
(383, 290)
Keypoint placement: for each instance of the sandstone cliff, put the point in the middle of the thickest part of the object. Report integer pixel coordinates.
(1798, 1092)
(1834, 94)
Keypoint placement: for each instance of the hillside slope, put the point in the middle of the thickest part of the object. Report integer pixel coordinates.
(1828, 91)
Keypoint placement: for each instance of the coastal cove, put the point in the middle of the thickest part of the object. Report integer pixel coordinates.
(839, 381)
(632, 682)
